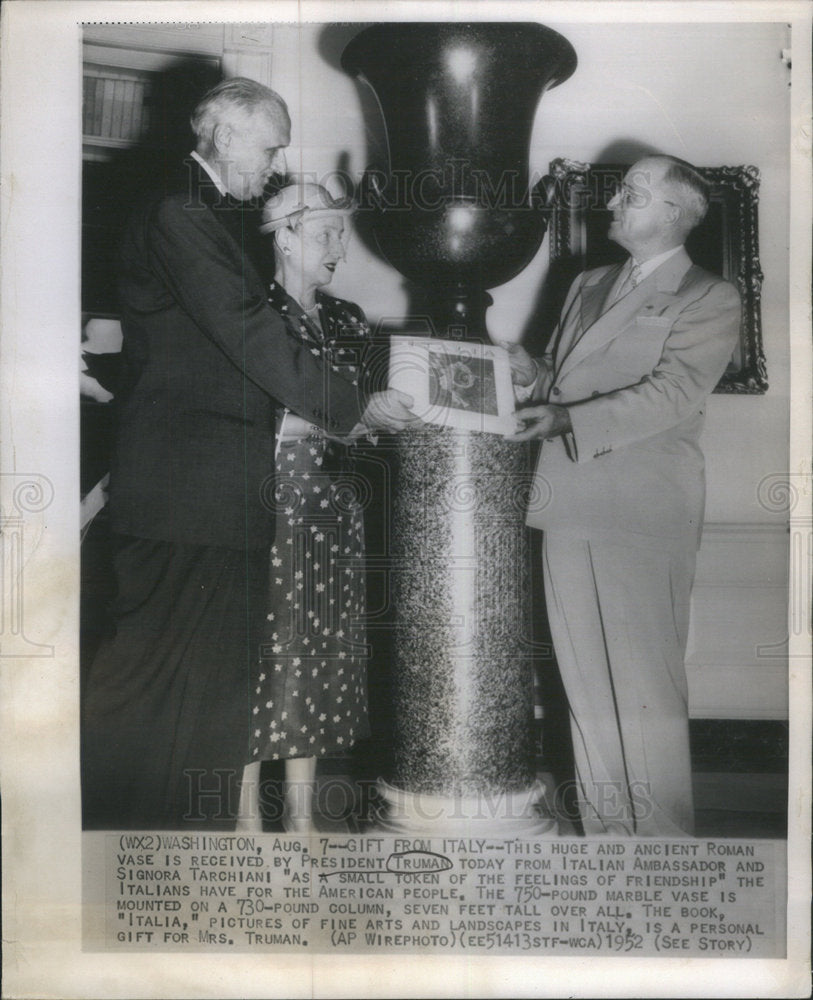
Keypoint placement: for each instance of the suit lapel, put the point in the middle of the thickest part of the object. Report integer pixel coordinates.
(585, 312)
(594, 297)
(610, 324)
(241, 220)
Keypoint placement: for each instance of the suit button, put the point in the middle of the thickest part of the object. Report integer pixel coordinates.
(596, 393)
(556, 390)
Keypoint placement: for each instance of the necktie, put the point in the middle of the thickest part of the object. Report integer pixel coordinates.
(631, 280)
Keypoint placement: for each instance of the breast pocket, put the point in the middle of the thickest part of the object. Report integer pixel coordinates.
(653, 322)
(630, 357)
(642, 347)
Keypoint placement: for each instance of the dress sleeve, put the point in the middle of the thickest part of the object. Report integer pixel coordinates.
(353, 347)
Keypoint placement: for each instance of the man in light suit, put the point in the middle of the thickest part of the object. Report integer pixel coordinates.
(207, 362)
(619, 491)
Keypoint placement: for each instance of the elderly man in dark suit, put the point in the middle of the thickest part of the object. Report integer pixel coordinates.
(619, 493)
(207, 361)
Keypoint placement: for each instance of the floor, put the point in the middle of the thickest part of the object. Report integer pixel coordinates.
(744, 795)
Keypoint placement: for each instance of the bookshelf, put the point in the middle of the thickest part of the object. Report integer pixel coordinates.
(136, 97)
(115, 107)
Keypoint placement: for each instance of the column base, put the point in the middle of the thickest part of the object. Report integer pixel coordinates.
(500, 814)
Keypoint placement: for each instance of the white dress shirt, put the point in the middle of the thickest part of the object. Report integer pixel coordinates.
(626, 281)
(218, 183)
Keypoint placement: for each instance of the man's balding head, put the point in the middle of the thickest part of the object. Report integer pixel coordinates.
(660, 201)
(241, 128)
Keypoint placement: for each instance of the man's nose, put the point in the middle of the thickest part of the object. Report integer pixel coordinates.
(278, 162)
(339, 247)
(615, 201)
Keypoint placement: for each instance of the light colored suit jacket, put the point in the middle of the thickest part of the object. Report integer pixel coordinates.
(635, 376)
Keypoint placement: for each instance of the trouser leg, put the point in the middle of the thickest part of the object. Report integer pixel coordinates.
(618, 617)
(166, 706)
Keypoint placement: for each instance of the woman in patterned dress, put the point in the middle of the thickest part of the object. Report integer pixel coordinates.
(310, 693)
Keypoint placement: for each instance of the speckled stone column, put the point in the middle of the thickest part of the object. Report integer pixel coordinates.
(454, 213)
(463, 683)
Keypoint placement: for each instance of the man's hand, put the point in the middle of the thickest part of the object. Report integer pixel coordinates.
(388, 410)
(524, 370)
(543, 422)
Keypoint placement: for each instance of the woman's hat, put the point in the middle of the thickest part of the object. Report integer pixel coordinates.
(296, 201)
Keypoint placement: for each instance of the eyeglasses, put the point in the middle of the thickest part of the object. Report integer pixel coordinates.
(637, 197)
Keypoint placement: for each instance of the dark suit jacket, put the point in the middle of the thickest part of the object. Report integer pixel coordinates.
(207, 362)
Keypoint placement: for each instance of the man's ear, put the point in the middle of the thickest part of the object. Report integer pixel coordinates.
(674, 214)
(221, 138)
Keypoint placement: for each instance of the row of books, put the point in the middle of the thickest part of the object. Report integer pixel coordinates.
(114, 108)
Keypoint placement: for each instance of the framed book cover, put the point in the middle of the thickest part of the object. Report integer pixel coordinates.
(454, 384)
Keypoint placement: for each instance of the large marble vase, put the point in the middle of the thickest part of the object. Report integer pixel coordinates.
(454, 213)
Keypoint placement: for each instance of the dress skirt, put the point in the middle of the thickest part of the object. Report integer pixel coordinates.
(310, 696)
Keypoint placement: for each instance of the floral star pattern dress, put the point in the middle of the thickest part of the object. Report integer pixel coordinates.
(310, 696)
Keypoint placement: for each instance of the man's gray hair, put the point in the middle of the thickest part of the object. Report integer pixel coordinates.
(691, 187)
(236, 94)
